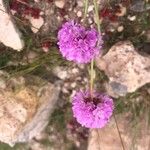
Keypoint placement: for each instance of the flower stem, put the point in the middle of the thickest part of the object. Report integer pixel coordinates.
(92, 72)
(85, 9)
(92, 76)
(123, 147)
(97, 15)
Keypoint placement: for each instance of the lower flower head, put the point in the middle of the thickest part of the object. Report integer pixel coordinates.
(92, 112)
(78, 44)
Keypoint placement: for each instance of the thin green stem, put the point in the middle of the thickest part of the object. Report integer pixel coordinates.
(92, 77)
(92, 62)
(85, 9)
(92, 73)
(97, 15)
(98, 139)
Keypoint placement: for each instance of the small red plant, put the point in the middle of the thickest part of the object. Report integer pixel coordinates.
(110, 13)
(25, 10)
(46, 45)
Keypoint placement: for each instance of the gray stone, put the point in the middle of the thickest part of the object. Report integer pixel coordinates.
(139, 6)
(126, 69)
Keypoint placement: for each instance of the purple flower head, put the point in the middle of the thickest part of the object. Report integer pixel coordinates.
(92, 113)
(78, 44)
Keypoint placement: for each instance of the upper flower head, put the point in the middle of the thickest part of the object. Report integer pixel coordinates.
(78, 44)
(92, 113)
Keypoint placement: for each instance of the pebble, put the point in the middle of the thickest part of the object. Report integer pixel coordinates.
(60, 73)
(111, 29)
(85, 80)
(131, 18)
(90, 8)
(120, 29)
(79, 13)
(59, 18)
(73, 85)
(64, 90)
(75, 70)
(60, 3)
(90, 20)
(80, 3)
(36, 23)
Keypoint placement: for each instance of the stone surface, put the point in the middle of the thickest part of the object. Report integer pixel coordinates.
(9, 34)
(25, 108)
(107, 138)
(126, 69)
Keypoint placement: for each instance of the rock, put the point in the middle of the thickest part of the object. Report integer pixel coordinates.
(126, 69)
(139, 6)
(108, 138)
(60, 3)
(25, 108)
(36, 23)
(9, 34)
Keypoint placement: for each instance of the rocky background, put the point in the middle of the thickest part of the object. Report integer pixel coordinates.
(36, 83)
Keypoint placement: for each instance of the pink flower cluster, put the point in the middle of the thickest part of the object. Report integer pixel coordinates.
(78, 44)
(92, 112)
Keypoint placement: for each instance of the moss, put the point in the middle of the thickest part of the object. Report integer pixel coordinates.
(4, 146)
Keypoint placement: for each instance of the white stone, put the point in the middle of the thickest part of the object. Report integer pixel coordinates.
(131, 18)
(75, 70)
(73, 85)
(80, 3)
(120, 28)
(36, 23)
(60, 3)
(90, 20)
(90, 8)
(9, 34)
(79, 13)
(60, 73)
